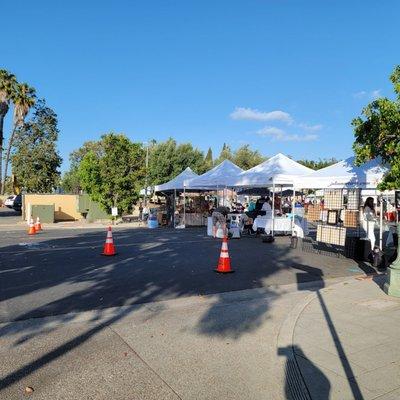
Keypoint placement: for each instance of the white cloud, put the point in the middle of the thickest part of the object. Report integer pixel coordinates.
(241, 113)
(280, 135)
(311, 128)
(373, 95)
(376, 94)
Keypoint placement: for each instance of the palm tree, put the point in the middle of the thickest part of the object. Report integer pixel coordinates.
(7, 88)
(23, 98)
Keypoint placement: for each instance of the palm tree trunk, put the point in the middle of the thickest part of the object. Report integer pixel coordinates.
(1, 149)
(7, 159)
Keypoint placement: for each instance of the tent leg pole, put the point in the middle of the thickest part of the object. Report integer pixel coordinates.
(273, 210)
(293, 209)
(184, 205)
(173, 218)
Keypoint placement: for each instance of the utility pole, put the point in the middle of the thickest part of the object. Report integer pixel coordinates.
(147, 173)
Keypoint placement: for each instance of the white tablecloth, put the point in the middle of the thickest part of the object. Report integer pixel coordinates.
(281, 224)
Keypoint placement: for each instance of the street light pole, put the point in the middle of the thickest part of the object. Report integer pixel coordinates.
(392, 284)
(147, 172)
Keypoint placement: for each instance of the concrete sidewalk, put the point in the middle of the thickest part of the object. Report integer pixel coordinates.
(202, 347)
(333, 339)
(346, 339)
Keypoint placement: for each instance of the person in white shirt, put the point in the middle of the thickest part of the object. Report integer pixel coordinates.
(369, 219)
(266, 206)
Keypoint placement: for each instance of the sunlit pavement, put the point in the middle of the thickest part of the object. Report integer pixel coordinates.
(347, 342)
(154, 321)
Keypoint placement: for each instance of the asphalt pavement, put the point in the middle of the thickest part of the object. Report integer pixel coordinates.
(61, 271)
(156, 322)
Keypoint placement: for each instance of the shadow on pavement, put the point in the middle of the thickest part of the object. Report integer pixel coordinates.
(55, 277)
(295, 387)
(321, 389)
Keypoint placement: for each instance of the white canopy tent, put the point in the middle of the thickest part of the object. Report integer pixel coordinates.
(175, 184)
(222, 176)
(278, 170)
(178, 182)
(344, 174)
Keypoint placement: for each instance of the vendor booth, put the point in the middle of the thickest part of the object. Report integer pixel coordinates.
(171, 189)
(278, 173)
(341, 220)
(219, 178)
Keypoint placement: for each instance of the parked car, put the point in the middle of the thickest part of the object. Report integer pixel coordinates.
(17, 205)
(9, 201)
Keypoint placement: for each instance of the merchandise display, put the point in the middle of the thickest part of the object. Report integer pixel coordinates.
(333, 199)
(332, 218)
(353, 199)
(313, 213)
(351, 219)
(331, 234)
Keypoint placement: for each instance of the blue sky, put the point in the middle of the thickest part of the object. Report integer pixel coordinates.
(280, 75)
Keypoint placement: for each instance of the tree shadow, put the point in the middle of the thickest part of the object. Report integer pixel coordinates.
(63, 276)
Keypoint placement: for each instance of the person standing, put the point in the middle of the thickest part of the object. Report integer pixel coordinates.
(369, 219)
(140, 211)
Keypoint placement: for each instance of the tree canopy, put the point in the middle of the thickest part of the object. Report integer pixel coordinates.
(71, 180)
(208, 160)
(35, 160)
(377, 133)
(321, 163)
(246, 158)
(115, 174)
(226, 154)
(168, 159)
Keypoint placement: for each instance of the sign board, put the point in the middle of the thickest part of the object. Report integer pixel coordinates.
(114, 211)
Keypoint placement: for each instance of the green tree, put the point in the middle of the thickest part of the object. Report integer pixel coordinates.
(247, 158)
(7, 88)
(188, 156)
(23, 98)
(162, 162)
(115, 175)
(208, 160)
(35, 160)
(377, 134)
(226, 154)
(168, 159)
(321, 163)
(70, 182)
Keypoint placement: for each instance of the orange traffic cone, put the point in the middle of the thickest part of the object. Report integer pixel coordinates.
(38, 225)
(224, 264)
(32, 230)
(109, 249)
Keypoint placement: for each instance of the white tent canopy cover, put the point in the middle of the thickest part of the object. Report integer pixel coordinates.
(278, 170)
(223, 175)
(176, 183)
(345, 174)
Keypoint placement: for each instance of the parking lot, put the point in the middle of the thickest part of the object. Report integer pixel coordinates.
(62, 270)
